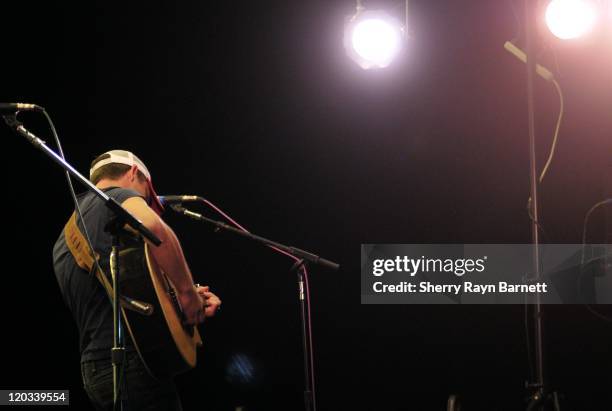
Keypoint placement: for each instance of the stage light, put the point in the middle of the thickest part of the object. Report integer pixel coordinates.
(570, 19)
(373, 38)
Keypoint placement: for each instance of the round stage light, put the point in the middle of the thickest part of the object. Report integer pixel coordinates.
(570, 19)
(373, 39)
(376, 41)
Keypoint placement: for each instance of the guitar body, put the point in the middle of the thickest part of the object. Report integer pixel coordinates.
(164, 344)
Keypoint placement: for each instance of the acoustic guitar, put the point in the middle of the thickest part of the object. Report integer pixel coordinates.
(165, 344)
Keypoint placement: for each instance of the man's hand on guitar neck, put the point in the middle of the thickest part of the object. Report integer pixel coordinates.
(198, 303)
(191, 303)
(212, 303)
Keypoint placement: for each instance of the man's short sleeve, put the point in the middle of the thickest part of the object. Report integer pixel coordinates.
(122, 194)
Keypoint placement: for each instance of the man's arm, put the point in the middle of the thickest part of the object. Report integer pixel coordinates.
(169, 256)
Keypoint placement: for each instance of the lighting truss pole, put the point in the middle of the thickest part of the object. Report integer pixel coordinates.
(537, 385)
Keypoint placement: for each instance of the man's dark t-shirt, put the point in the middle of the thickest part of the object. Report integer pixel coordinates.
(82, 292)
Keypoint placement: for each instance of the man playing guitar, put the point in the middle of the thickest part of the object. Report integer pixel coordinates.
(124, 177)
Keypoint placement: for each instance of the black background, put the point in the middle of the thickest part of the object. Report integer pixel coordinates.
(255, 106)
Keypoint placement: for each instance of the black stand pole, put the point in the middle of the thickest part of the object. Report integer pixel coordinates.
(537, 388)
(309, 394)
(122, 217)
(118, 350)
(299, 267)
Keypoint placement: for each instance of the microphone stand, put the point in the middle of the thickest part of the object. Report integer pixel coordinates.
(303, 258)
(115, 228)
(539, 392)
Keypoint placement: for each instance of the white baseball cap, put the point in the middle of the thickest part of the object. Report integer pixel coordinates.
(129, 159)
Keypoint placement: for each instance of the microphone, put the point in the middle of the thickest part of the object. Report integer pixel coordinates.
(169, 200)
(10, 108)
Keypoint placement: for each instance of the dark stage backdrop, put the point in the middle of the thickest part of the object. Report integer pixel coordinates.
(255, 106)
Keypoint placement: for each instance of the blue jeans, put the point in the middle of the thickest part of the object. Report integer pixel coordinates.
(143, 392)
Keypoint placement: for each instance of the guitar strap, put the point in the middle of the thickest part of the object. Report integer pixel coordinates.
(83, 255)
